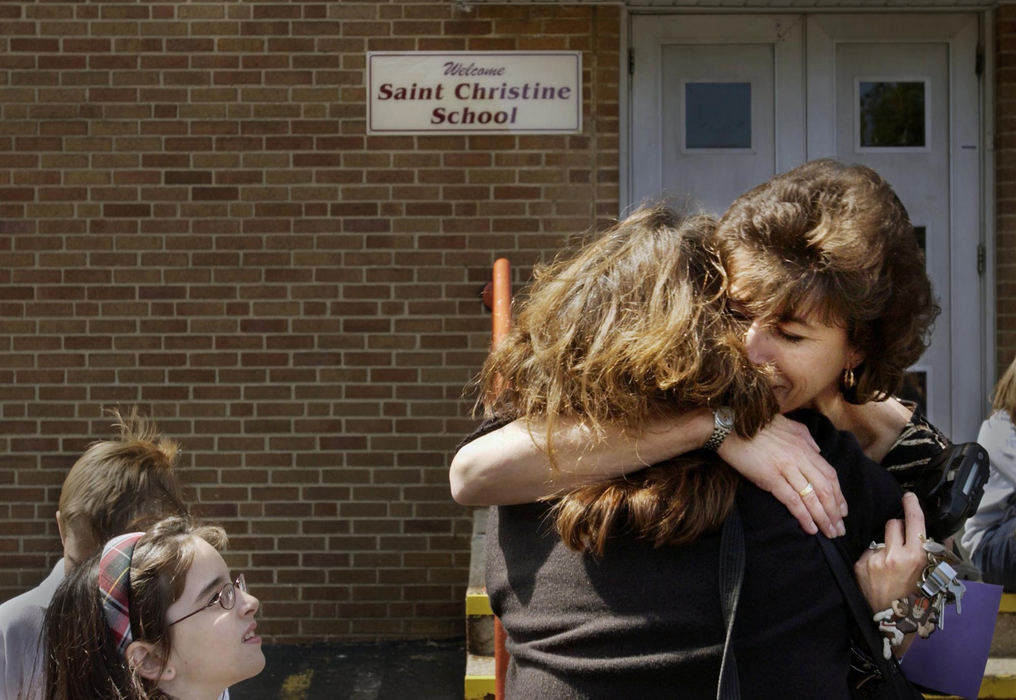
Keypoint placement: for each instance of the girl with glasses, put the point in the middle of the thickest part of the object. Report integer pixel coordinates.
(154, 615)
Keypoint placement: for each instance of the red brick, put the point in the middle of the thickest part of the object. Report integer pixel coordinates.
(286, 293)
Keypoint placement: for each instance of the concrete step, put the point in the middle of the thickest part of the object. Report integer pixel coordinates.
(1004, 641)
(999, 678)
(479, 682)
(479, 677)
(479, 617)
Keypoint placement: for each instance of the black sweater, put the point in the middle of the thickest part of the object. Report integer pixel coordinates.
(644, 622)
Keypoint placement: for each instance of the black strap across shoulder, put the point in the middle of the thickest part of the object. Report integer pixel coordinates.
(732, 559)
(892, 684)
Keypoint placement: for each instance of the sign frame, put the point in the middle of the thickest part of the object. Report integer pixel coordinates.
(511, 92)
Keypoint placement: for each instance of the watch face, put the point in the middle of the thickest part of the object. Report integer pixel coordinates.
(724, 417)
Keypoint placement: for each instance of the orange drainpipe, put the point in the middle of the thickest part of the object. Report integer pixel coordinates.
(502, 320)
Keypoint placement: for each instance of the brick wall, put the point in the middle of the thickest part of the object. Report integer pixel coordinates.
(193, 220)
(1005, 183)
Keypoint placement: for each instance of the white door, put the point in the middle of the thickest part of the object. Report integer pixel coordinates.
(929, 150)
(721, 103)
(718, 105)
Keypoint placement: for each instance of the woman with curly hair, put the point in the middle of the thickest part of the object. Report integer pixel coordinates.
(613, 589)
(826, 274)
(155, 615)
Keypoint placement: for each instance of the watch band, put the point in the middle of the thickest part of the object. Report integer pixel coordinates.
(723, 423)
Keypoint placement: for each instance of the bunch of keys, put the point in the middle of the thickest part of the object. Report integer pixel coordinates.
(924, 609)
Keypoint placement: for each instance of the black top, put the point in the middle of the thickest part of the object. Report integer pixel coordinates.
(641, 622)
(917, 444)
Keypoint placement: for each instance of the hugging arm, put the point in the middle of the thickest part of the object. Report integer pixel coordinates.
(510, 465)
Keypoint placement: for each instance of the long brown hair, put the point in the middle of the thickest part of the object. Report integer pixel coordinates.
(630, 327)
(82, 660)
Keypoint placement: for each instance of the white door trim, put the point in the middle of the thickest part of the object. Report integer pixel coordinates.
(988, 240)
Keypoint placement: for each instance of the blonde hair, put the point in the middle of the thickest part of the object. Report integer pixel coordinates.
(118, 482)
(1004, 398)
(630, 327)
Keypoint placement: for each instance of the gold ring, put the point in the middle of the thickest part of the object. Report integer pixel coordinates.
(806, 490)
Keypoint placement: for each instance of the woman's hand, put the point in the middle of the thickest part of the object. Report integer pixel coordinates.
(783, 459)
(893, 572)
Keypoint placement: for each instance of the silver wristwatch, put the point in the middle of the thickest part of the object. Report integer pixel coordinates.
(723, 423)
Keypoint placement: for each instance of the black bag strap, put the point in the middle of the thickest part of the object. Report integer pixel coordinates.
(731, 579)
(862, 614)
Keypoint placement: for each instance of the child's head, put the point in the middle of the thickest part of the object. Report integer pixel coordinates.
(155, 614)
(116, 484)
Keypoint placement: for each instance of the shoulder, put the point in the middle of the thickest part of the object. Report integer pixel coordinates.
(999, 423)
(843, 452)
(487, 425)
(998, 436)
(27, 610)
(910, 457)
(919, 441)
(21, 620)
(871, 493)
(839, 447)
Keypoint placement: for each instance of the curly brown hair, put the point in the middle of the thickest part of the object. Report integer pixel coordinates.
(835, 240)
(630, 327)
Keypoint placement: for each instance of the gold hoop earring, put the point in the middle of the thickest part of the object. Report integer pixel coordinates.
(848, 379)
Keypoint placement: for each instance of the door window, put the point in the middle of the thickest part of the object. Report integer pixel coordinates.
(717, 115)
(892, 114)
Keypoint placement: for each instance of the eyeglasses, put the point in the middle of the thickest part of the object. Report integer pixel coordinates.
(226, 598)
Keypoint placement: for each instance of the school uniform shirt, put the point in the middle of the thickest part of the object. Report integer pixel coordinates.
(998, 437)
(646, 622)
(22, 668)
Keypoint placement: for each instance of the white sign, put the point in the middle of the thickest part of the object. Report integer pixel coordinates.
(516, 92)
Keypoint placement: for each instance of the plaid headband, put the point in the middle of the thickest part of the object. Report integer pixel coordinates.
(114, 586)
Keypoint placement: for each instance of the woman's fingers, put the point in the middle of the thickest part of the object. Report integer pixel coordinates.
(819, 495)
(782, 460)
(914, 519)
(894, 570)
(893, 536)
(820, 473)
(783, 492)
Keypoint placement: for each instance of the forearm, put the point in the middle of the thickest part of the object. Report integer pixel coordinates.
(510, 465)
